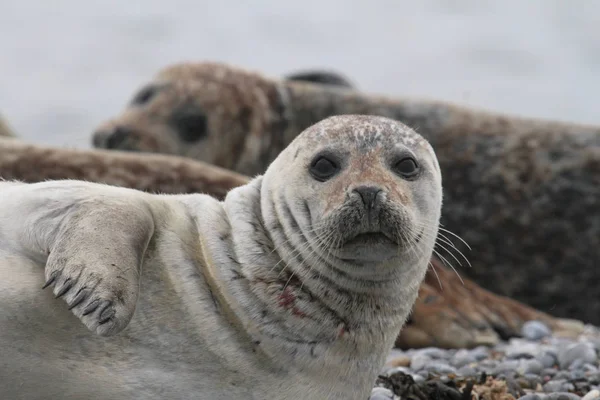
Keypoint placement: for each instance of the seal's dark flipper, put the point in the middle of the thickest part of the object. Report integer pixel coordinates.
(462, 314)
(321, 77)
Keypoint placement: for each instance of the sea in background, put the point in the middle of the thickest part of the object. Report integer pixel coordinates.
(67, 65)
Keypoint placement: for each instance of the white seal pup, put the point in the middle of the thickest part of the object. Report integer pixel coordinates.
(293, 287)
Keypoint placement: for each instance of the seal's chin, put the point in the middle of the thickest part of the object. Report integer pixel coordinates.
(370, 247)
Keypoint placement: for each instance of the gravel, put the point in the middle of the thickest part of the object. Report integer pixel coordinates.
(536, 366)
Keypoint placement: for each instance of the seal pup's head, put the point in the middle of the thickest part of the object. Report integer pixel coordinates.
(357, 199)
(208, 111)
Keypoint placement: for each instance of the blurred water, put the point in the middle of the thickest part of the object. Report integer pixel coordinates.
(66, 65)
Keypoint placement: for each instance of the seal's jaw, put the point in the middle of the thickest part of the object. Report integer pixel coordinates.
(369, 247)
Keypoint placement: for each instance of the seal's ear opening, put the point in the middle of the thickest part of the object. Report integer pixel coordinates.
(321, 77)
(190, 122)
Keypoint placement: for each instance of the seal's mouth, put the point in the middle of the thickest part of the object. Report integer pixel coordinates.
(368, 238)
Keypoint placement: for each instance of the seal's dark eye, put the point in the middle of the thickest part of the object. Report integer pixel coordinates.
(190, 123)
(323, 168)
(144, 95)
(407, 167)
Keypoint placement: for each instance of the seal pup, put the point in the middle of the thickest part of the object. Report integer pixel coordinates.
(294, 287)
(447, 316)
(522, 192)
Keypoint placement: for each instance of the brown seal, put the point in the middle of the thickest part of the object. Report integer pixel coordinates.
(449, 316)
(522, 192)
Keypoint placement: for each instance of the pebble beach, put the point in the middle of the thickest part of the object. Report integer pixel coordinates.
(536, 366)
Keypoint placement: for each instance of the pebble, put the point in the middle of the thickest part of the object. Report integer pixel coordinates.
(562, 396)
(419, 362)
(592, 395)
(535, 330)
(380, 393)
(577, 351)
(531, 396)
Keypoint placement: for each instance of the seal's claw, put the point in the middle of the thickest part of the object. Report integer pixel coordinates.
(106, 314)
(90, 308)
(51, 279)
(66, 286)
(80, 296)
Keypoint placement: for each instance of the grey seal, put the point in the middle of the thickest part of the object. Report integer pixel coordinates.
(295, 286)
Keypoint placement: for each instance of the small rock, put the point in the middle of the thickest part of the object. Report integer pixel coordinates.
(535, 330)
(506, 366)
(554, 386)
(401, 361)
(563, 396)
(462, 358)
(530, 367)
(439, 368)
(380, 393)
(577, 364)
(480, 353)
(549, 372)
(564, 375)
(577, 374)
(433, 352)
(592, 395)
(590, 368)
(531, 396)
(577, 351)
(467, 371)
(548, 359)
(418, 362)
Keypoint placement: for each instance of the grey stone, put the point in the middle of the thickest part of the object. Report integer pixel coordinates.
(433, 352)
(504, 366)
(419, 362)
(461, 358)
(564, 375)
(535, 330)
(439, 368)
(548, 359)
(563, 396)
(480, 353)
(530, 367)
(531, 396)
(380, 393)
(554, 385)
(467, 371)
(592, 395)
(577, 374)
(577, 351)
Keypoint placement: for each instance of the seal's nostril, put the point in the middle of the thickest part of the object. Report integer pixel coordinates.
(117, 137)
(368, 194)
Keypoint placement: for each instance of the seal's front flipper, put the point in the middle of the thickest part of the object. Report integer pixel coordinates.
(95, 264)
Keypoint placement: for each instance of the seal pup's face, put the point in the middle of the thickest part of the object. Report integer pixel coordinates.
(206, 111)
(361, 194)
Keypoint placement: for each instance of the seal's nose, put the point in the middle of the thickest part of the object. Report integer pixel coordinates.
(110, 139)
(368, 194)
